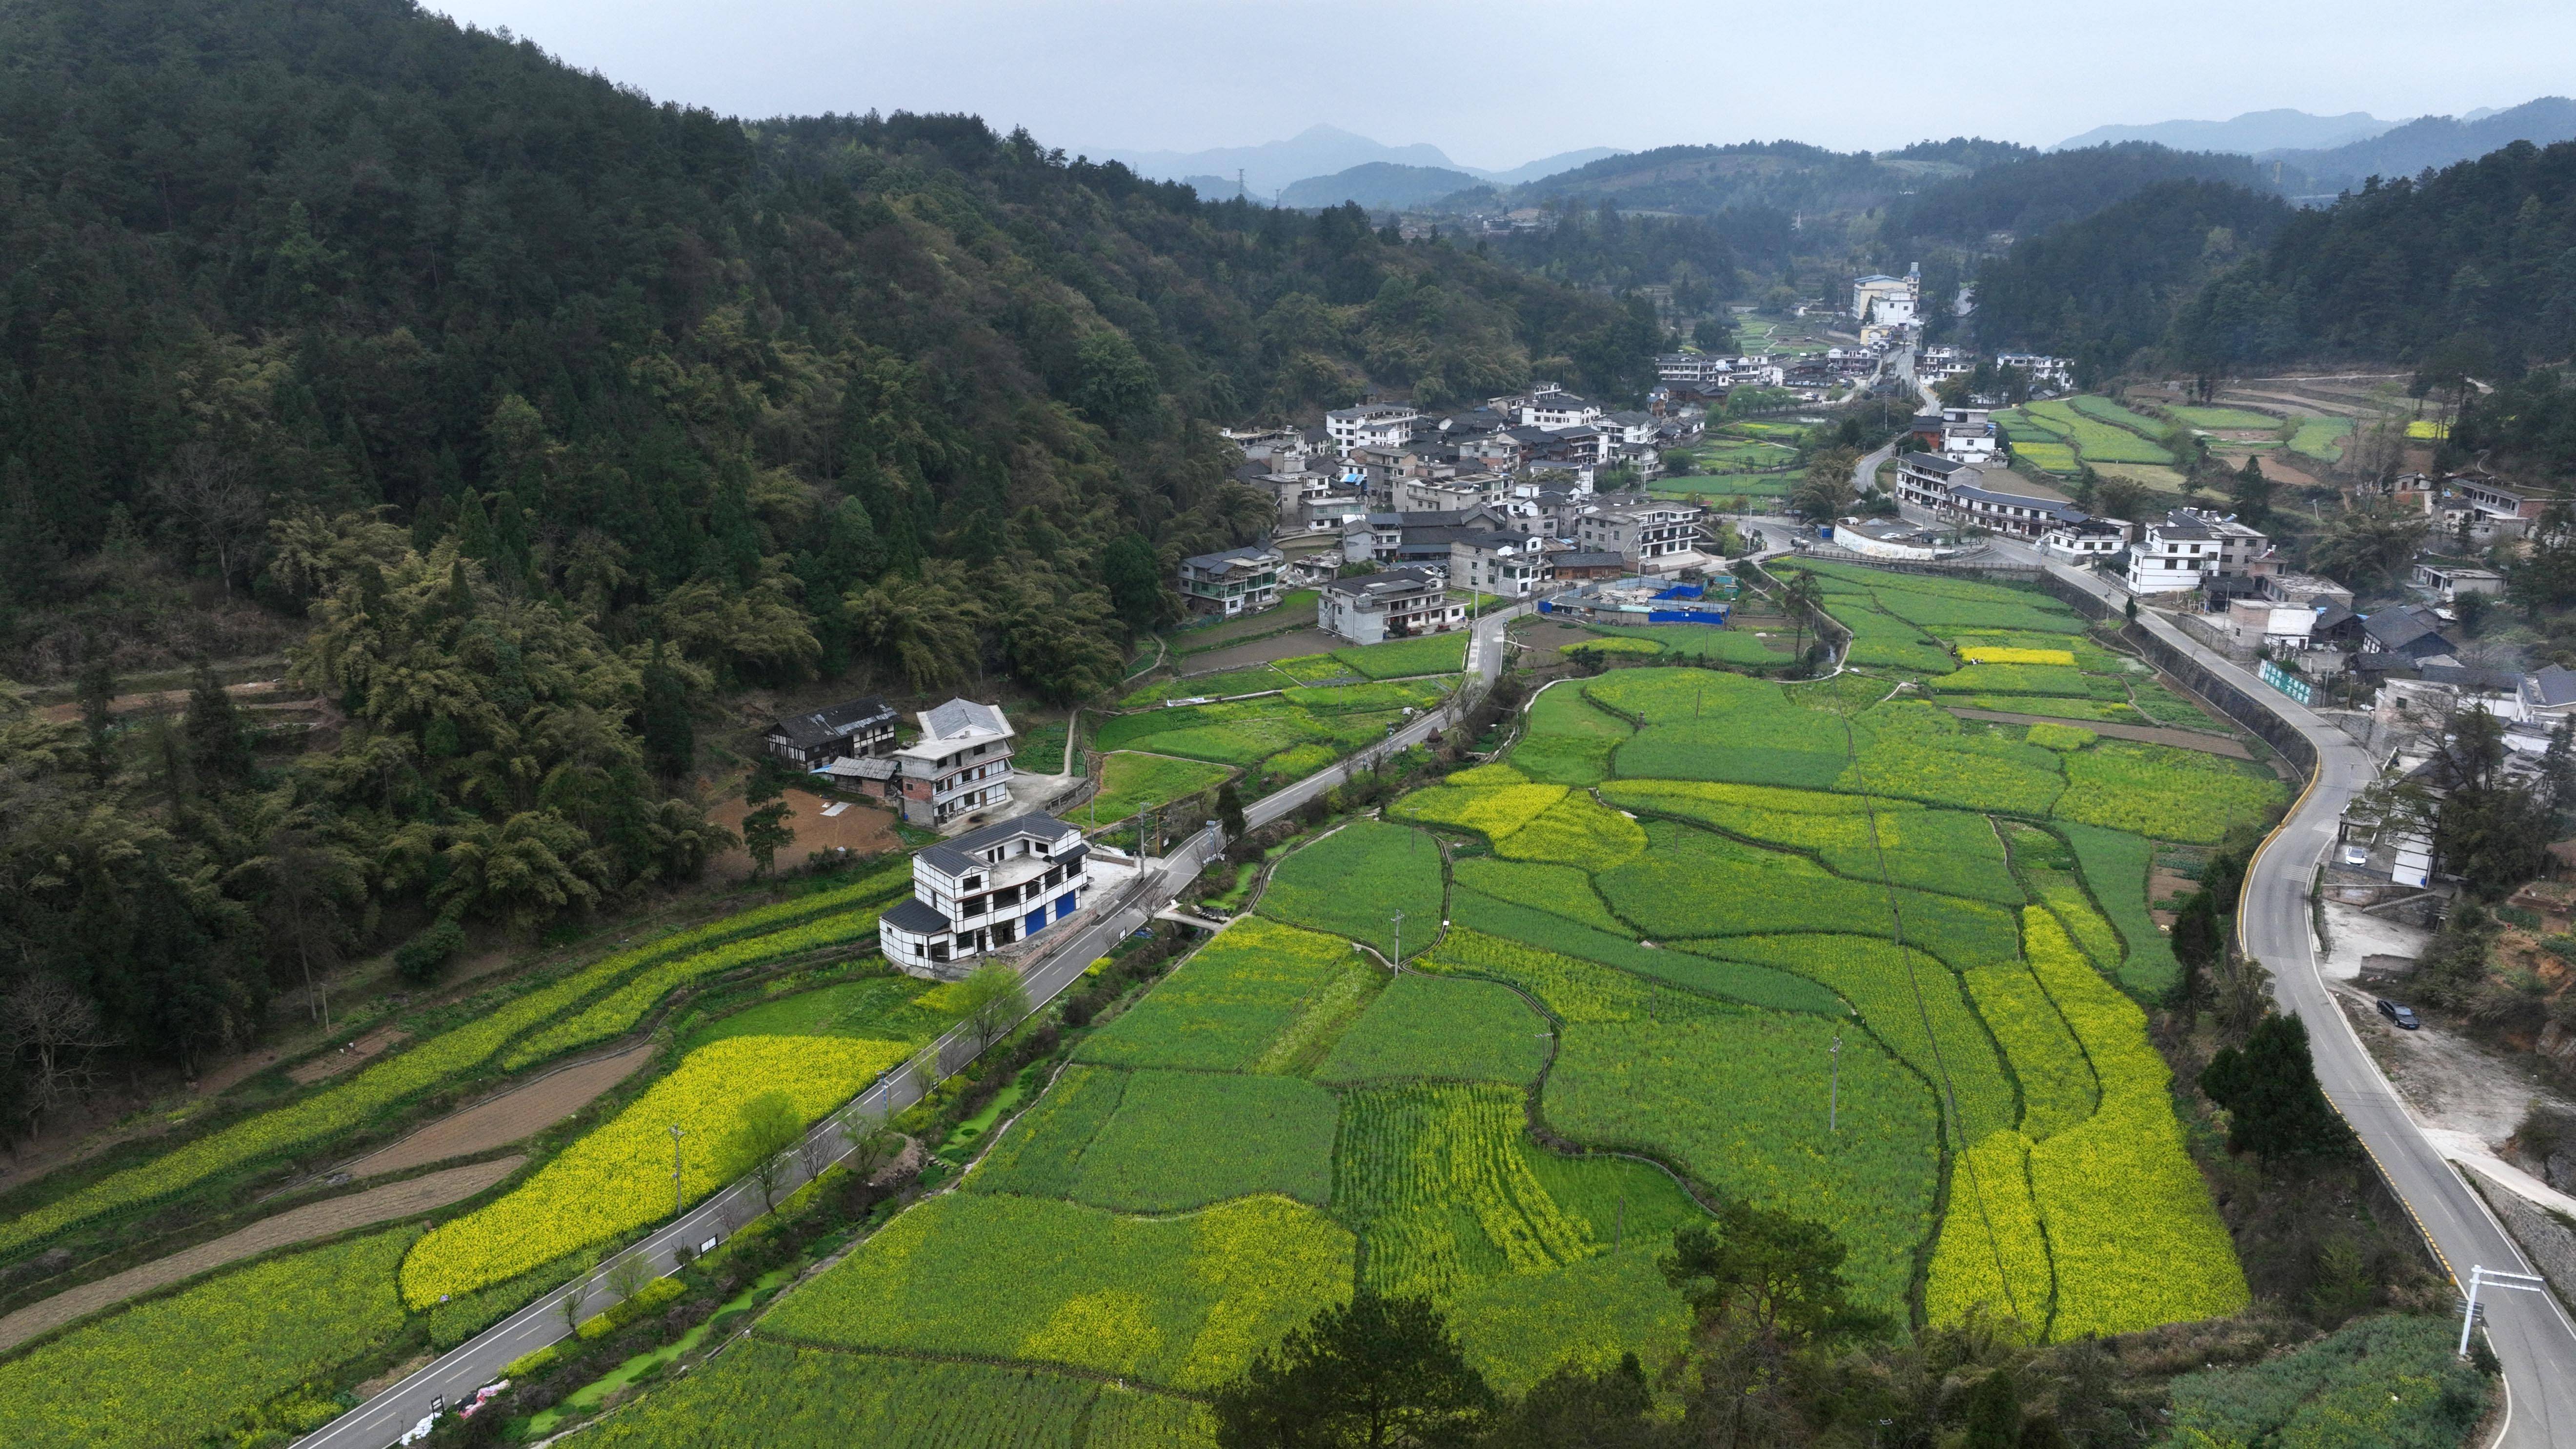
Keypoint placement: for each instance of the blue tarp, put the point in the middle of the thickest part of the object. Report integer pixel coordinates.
(1547, 606)
(1686, 616)
(1682, 591)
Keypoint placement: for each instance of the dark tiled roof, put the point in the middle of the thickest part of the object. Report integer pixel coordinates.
(912, 914)
(2400, 626)
(2552, 685)
(804, 731)
(954, 856)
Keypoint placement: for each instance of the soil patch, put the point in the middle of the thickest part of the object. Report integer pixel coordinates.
(331, 1064)
(506, 1118)
(860, 829)
(1260, 651)
(296, 1225)
(2179, 739)
(2450, 1081)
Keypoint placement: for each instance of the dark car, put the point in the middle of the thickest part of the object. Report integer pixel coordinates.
(2404, 1016)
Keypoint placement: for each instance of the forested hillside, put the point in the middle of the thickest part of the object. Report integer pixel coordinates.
(556, 411)
(2025, 195)
(2101, 288)
(2473, 260)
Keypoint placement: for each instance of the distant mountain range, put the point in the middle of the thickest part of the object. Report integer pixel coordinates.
(1322, 153)
(2252, 132)
(2435, 141)
(1380, 185)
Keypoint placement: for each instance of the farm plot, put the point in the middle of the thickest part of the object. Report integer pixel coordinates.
(1562, 890)
(886, 1006)
(766, 1395)
(1428, 1027)
(618, 1177)
(2214, 419)
(2321, 438)
(1353, 881)
(236, 1352)
(1258, 679)
(1492, 811)
(1399, 658)
(1182, 1140)
(1701, 641)
(342, 1107)
(1914, 750)
(2034, 677)
(1184, 1302)
(1436, 1178)
(2095, 440)
(2047, 455)
(1225, 1006)
(1491, 926)
(1131, 781)
(2135, 1239)
(1704, 726)
(1993, 1251)
(1950, 851)
(2114, 864)
(2176, 794)
(1568, 739)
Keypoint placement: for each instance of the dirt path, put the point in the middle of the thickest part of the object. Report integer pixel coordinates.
(331, 1064)
(165, 699)
(505, 1118)
(2179, 739)
(296, 1225)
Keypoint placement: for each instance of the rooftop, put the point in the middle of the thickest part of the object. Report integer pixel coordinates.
(961, 719)
(807, 730)
(961, 854)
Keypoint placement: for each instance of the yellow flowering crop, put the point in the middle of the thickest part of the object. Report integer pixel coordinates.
(2004, 654)
(618, 1178)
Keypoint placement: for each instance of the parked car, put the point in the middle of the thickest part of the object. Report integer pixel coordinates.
(2404, 1016)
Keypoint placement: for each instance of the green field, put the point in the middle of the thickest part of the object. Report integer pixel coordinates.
(2226, 419)
(1281, 1118)
(1311, 724)
(2321, 438)
(2095, 438)
(1131, 781)
(2051, 457)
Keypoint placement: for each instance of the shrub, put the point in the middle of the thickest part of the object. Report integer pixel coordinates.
(2393, 1383)
(422, 957)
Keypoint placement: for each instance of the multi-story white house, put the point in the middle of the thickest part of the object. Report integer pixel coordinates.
(1641, 533)
(2045, 371)
(1236, 581)
(1558, 410)
(2188, 548)
(2082, 540)
(1989, 498)
(1383, 425)
(1887, 301)
(1510, 564)
(1393, 604)
(985, 889)
(961, 764)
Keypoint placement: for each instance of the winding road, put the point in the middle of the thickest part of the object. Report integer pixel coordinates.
(455, 1375)
(2532, 1335)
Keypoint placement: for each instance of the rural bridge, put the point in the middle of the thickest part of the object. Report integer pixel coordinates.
(454, 1376)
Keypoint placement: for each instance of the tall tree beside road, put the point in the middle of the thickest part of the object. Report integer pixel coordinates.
(2275, 1108)
(2369, 544)
(1375, 1373)
(1824, 491)
(760, 1142)
(765, 830)
(993, 999)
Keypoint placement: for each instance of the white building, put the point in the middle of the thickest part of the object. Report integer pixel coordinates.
(1696, 367)
(1887, 301)
(1890, 538)
(988, 888)
(1394, 604)
(2085, 539)
(1380, 425)
(1558, 410)
(1987, 497)
(1969, 435)
(2044, 370)
(1237, 581)
(2188, 548)
(1642, 533)
(1510, 564)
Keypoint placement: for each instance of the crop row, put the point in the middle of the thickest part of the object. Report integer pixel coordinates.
(619, 1011)
(1185, 1302)
(1492, 811)
(2136, 1240)
(1353, 881)
(1992, 1251)
(1575, 831)
(1435, 1178)
(1430, 654)
(1222, 1009)
(2062, 680)
(349, 1104)
(2057, 1088)
(620, 1176)
(189, 1367)
(2009, 654)
(1914, 750)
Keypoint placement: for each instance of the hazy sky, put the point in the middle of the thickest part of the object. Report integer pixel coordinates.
(1499, 82)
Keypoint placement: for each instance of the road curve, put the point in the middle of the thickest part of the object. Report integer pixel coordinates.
(2532, 1336)
(454, 1376)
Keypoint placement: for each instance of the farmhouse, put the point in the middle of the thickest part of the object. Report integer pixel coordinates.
(987, 888)
(1395, 604)
(961, 764)
(1957, 492)
(1236, 581)
(1510, 564)
(863, 728)
(1642, 533)
(2448, 582)
(2190, 547)
(2497, 503)
(2081, 540)
(1637, 600)
(1381, 424)
(1558, 410)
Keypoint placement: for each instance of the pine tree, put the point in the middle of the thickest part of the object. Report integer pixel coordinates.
(2269, 1087)
(2197, 944)
(1993, 1415)
(670, 736)
(217, 750)
(98, 716)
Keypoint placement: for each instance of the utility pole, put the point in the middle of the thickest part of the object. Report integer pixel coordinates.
(1834, 1092)
(677, 1132)
(2478, 1277)
(1619, 1237)
(1398, 918)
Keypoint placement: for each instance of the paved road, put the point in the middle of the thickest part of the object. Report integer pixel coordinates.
(2532, 1336)
(455, 1375)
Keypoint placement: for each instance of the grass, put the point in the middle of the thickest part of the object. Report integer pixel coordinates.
(1131, 781)
(1221, 1010)
(1184, 1302)
(1430, 1027)
(1039, 748)
(1253, 680)
(237, 1352)
(1352, 882)
(2392, 1381)
(619, 1177)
